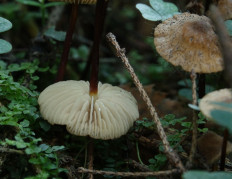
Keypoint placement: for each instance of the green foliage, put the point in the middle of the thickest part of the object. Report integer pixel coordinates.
(206, 175)
(157, 162)
(159, 10)
(222, 114)
(174, 135)
(5, 25)
(228, 24)
(186, 88)
(42, 5)
(19, 110)
(57, 35)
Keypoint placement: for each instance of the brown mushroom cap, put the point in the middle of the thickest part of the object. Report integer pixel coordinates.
(206, 105)
(107, 115)
(225, 7)
(189, 41)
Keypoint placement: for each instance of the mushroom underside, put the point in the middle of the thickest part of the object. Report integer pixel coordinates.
(107, 115)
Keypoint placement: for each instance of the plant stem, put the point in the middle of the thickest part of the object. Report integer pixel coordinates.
(130, 174)
(94, 54)
(201, 85)
(194, 120)
(223, 151)
(67, 43)
(90, 156)
(138, 154)
(171, 154)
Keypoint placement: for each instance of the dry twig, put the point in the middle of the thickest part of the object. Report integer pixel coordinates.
(224, 40)
(173, 157)
(129, 174)
(7, 150)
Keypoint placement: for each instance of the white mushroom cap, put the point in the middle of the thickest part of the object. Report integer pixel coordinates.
(206, 104)
(189, 41)
(107, 115)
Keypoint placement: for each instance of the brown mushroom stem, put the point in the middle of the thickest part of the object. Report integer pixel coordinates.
(94, 54)
(90, 156)
(223, 151)
(194, 120)
(67, 43)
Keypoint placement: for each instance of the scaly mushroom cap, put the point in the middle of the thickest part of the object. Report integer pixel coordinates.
(78, 1)
(107, 115)
(189, 41)
(225, 7)
(206, 104)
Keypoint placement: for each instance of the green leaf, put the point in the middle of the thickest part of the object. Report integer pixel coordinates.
(33, 149)
(25, 123)
(223, 117)
(5, 46)
(57, 35)
(29, 2)
(229, 26)
(206, 175)
(50, 4)
(5, 24)
(44, 125)
(160, 10)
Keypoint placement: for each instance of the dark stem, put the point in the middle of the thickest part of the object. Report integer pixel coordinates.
(67, 43)
(93, 60)
(201, 85)
(90, 156)
(223, 152)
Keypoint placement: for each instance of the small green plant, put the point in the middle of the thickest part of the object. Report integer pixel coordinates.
(5, 25)
(19, 110)
(175, 136)
(42, 5)
(159, 10)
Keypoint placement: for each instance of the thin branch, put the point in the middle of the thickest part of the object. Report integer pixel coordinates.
(139, 166)
(224, 40)
(129, 174)
(173, 157)
(7, 150)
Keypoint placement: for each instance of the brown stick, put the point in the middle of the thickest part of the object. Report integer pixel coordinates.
(129, 174)
(7, 150)
(194, 121)
(173, 157)
(224, 40)
(67, 43)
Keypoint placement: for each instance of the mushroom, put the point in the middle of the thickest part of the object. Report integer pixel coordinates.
(188, 40)
(107, 115)
(207, 104)
(225, 7)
